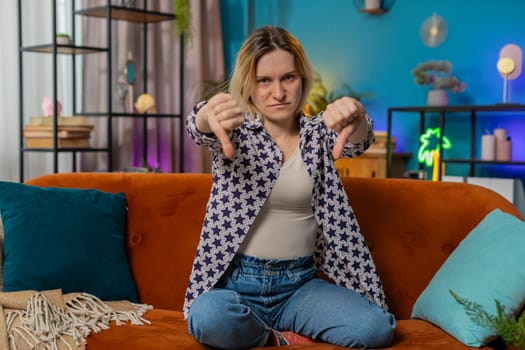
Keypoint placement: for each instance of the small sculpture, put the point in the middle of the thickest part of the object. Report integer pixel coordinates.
(48, 107)
(130, 71)
(128, 3)
(121, 91)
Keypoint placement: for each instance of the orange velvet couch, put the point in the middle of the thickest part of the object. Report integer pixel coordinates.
(411, 227)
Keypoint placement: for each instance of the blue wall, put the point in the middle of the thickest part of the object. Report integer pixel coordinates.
(376, 53)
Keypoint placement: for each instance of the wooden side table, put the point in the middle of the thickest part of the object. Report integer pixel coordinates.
(372, 164)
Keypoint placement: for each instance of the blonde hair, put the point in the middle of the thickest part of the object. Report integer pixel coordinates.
(262, 41)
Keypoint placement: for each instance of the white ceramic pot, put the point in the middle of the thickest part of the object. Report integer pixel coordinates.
(372, 4)
(62, 40)
(437, 97)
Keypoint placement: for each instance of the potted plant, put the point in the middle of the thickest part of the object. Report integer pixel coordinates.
(511, 329)
(319, 97)
(63, 39)
(182, 24)
(437, 74)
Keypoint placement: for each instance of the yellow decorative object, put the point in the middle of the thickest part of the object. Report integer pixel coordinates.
(506, 65)
(307, 110)
(145, 103)
(435, 166)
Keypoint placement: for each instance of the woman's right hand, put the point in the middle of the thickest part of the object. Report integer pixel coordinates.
(220, 115)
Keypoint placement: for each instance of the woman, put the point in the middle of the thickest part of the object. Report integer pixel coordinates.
(278, 212)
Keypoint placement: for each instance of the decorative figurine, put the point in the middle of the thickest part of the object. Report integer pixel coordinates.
(121, 91)
(145, 103)
(131, 78)
(128, 3)
(48, 106)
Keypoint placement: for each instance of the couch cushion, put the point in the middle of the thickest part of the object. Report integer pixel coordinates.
(65, 238)
(487, 265)
(168, 330)
(418, 334)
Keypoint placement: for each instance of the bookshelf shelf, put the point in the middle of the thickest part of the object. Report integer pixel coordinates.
(445, 113)
(53, 142)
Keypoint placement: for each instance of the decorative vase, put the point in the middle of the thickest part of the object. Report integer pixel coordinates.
(372, 4)
(437, 97)
(63, 40)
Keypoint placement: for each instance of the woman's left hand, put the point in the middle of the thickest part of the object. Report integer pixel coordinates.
(345, 116)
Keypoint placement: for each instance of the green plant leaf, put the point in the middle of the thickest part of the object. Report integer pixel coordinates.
(183, 22)
(511, 330)
(319, 96)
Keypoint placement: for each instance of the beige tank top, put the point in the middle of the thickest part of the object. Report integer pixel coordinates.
(285, 227)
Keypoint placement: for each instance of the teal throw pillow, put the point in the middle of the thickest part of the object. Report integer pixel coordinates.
(72, 239)
(487, 265)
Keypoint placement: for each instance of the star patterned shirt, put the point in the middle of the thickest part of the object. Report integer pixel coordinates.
(242, 184)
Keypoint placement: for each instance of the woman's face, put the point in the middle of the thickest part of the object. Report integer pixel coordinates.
(278, 86)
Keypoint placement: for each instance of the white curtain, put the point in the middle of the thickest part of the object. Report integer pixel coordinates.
(203, 62)
(9, 138)
(37, 82)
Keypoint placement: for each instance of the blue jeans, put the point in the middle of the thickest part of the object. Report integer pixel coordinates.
(257, 295)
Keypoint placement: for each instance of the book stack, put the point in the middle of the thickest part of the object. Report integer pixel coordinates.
(73, 132)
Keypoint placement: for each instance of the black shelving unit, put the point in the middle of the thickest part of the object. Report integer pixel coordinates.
(443, 113)
(141, 16)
